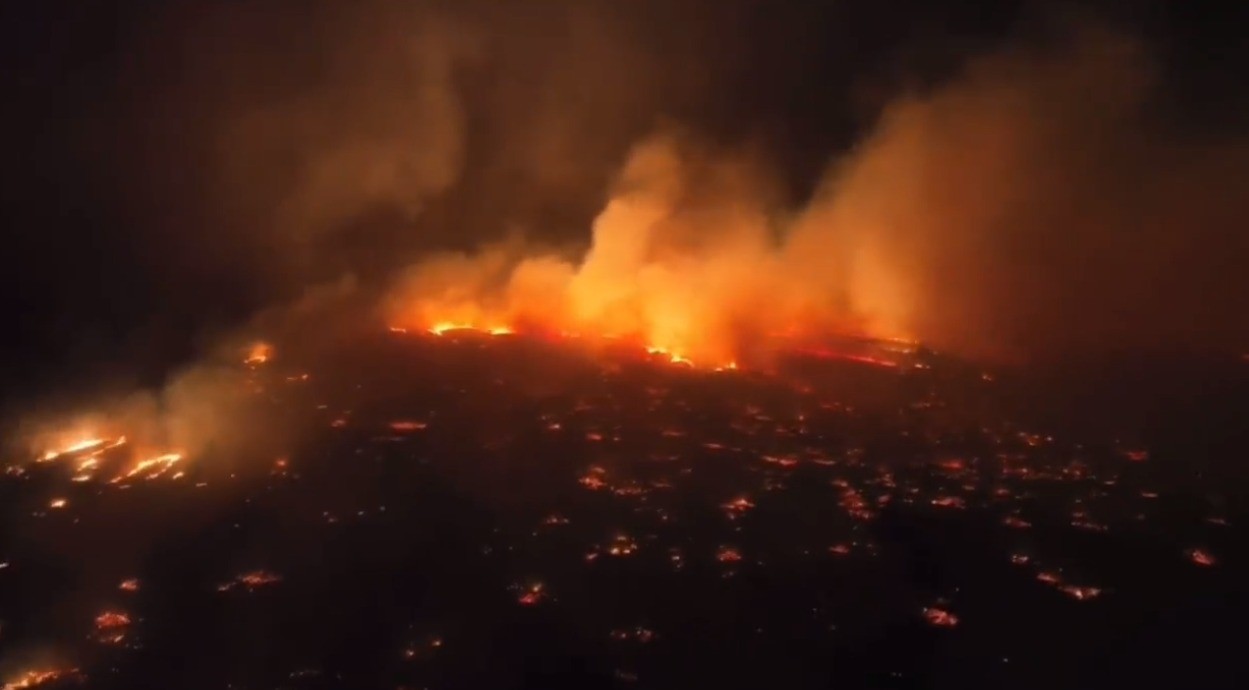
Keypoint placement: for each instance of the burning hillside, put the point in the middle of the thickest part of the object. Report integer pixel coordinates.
(682, 261)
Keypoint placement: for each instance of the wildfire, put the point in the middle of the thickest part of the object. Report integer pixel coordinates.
(674, 357)
(443, 327)
(157, 465)
(259, 353)
(691, 278)
(73, 448)
(91, 447)
(34, 679)
(88, 455)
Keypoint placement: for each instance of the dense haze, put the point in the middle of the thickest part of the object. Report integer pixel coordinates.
(1017, 184)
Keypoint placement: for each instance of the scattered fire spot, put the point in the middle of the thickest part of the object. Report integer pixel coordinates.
(622, 545)
(1202, 557)
(636, 634)
(784, 461)
(250, 581)
(949, 502)
(532, 595)
(111, 619)
(594, 479)
(259, 353)
(940, 617)
(1080, 593)
(737, 507)
(110, 627)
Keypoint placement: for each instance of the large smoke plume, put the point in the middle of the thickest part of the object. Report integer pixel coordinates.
(700, 173)
(1030, 207)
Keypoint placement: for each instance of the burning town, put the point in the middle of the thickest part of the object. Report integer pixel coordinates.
(641, 345)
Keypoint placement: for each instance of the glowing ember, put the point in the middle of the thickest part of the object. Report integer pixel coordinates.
(406, 426)
(1201, 557)
(129, 585)
(57, 503)
(728, 554)
(940, 617)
